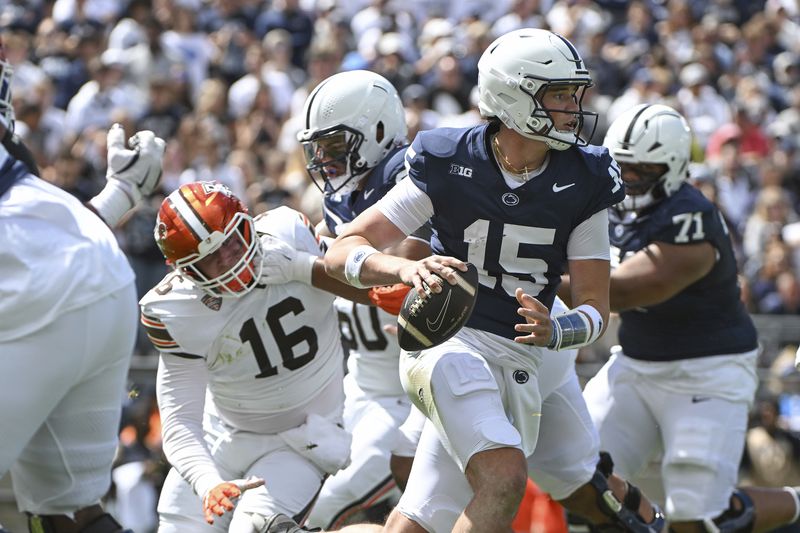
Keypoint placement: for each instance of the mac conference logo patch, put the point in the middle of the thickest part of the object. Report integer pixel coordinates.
(212, 302)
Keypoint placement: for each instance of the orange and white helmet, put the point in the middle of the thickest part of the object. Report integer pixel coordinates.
(204, 225)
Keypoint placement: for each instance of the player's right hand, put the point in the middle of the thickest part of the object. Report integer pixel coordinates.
(432, 270)
(219, 499)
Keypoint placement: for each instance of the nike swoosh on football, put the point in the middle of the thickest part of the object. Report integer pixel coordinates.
(368, 193)
(557, 188)
(436, 324)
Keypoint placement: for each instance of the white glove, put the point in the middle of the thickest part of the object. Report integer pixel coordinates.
(138, 166)
(797, 359)
(132, 173)
(283, 264)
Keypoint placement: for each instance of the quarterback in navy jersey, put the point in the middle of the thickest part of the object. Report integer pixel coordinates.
(524, 200)
(681, 382)
(354, 141)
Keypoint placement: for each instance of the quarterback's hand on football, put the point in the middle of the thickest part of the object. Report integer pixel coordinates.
(431, 270)
(137, 168)
(389, 297)
(220, 498)
(537, 326)
(283, 264)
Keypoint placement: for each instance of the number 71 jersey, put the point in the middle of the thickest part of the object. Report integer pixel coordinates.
(266, 352)
(707, 317)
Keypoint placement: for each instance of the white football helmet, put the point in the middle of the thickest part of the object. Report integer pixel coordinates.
(516, 69)
(353, 119)
(654, 135)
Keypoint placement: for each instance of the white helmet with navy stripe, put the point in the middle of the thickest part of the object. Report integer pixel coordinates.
(651, 134)
(513, 74)
(352, 120)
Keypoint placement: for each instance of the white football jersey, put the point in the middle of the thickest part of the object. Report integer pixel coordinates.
(373, 359)
(56, 256)
(268, 352)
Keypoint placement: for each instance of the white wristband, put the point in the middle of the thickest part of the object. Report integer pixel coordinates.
(113, 201)
(303, 267)
(355, 260)
(595, 320)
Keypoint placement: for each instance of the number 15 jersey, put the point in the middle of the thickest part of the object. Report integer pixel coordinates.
(516, 237)
(267, 353)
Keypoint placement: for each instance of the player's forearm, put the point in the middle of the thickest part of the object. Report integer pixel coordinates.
(321, 280)
(180, 387)
(376, 269)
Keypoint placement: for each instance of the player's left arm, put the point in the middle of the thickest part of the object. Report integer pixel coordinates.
(133, 172)
(588, 255)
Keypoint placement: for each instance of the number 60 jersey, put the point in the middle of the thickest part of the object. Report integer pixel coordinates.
(267, 353)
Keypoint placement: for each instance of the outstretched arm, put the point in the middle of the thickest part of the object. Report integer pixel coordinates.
(132, 174)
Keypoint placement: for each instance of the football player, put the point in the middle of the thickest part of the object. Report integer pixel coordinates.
(522, 198)
(683, 379)
(67, 327)
(355, 124)
(249, 380)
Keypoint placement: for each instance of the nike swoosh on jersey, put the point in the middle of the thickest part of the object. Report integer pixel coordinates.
(698, 399)
(436, 324)
(368, 193)
(559, 188)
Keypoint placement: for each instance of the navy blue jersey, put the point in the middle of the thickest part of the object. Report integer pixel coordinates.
(706, 318)
(515, 237)
(341, 209)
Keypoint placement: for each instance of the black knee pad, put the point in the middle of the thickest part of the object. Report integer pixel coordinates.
(625, 514)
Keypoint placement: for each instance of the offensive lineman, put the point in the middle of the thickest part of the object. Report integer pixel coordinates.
(683, 380)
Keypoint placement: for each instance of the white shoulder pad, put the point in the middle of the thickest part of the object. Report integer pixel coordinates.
(291, 227)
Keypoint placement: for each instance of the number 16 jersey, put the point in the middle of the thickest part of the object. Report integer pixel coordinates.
(267, 353)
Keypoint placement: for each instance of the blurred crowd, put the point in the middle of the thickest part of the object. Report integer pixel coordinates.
(224, 81)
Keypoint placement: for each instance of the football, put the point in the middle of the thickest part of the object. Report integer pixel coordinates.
(427, 322)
